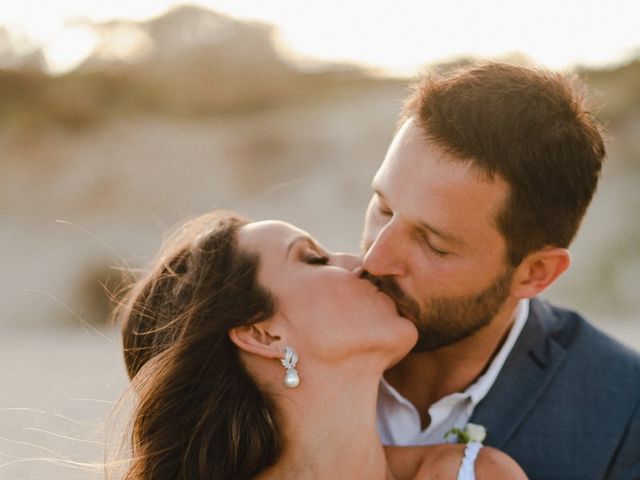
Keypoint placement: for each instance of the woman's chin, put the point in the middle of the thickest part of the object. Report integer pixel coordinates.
(406, 336)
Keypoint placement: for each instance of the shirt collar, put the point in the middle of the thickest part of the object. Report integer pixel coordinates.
(479, 389)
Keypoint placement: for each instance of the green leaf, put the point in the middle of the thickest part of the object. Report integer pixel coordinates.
(462, 437)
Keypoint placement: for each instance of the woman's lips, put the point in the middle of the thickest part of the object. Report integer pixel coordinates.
(388, 287)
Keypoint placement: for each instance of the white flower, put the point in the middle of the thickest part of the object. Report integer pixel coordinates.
(471, 433)
(476, 433)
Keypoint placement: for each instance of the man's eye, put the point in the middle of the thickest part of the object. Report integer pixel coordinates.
(317, 260)
(440, 253)
(436, 251)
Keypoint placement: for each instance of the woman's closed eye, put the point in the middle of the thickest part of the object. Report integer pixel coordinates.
(314, 259)
(384, 211)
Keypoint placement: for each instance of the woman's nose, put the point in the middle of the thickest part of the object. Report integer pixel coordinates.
(347, 261)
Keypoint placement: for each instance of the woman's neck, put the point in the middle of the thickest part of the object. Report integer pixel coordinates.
(328, 428)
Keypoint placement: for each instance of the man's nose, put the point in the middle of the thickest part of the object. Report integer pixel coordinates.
(384, 256)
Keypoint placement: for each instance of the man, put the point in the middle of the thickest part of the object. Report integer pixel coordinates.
(481, 192)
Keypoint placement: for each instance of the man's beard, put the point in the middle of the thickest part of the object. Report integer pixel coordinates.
(442, 321)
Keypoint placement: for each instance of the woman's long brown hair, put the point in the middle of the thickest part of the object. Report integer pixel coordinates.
(198, 414)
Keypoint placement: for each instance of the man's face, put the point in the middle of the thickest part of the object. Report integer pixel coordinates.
(431, 240)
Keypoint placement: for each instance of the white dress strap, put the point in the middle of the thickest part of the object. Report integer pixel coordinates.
(467, 470)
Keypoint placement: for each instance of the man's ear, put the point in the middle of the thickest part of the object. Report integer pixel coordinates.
(539, 270)
(257, 339)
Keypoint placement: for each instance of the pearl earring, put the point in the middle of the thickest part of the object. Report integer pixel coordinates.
(291, 378)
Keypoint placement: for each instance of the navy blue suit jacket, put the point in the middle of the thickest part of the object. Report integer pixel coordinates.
(567, 403)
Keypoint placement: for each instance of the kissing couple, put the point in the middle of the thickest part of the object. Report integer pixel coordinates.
(254, 352)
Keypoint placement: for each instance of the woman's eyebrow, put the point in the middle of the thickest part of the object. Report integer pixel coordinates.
(297, 239)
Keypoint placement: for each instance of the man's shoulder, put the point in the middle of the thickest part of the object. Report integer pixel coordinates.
(581, 340)
(564, 372)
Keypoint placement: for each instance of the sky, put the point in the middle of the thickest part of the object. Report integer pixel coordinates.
(396, 35)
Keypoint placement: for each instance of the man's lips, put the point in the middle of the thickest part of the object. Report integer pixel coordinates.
(404, 311)
(404, 306)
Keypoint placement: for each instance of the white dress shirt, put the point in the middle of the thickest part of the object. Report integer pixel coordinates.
(399, 421)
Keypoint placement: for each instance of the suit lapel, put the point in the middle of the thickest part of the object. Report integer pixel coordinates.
(532, 364)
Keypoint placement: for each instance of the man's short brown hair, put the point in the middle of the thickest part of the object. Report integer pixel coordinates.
(527, 125)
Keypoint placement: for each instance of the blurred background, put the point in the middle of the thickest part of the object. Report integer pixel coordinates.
(118, 120)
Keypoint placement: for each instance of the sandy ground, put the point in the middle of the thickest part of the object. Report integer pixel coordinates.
(60, 386)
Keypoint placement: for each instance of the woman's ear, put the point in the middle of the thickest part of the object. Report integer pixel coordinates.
(257, 339)
(539, 270)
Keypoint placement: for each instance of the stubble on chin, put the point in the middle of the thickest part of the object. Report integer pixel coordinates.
(443, 321)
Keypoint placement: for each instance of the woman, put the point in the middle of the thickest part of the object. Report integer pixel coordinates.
(255, 353)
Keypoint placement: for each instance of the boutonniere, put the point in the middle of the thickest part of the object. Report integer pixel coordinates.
(470, 433)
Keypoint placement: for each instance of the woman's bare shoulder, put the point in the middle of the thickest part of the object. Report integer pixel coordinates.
(443, 462)
(493, 463)
(425, 463)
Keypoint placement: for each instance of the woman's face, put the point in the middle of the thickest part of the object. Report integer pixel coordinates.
(325, 307)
